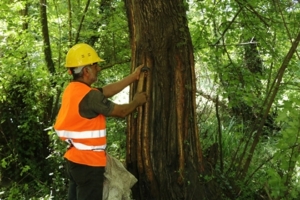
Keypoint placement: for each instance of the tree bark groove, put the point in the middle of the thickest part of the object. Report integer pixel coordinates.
(163, 147)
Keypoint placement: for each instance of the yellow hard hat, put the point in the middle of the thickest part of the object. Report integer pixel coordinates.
(81, 55)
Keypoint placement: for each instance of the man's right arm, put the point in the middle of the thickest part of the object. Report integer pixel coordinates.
(122, 110)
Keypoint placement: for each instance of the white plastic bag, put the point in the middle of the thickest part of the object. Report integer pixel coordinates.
(118, 182)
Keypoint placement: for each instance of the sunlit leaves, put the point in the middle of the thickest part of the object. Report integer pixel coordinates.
(221, 32)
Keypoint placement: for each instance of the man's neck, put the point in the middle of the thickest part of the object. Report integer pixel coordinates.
(82, 81)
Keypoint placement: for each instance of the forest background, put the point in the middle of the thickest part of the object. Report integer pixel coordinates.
(246, 66)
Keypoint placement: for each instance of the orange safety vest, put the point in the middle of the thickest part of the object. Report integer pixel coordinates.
(86, 136)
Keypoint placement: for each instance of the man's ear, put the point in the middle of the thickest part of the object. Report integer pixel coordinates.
(87, 69)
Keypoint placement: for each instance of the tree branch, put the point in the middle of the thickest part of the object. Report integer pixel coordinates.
(70, 22)
(252, 10)
(213, 99)
(285, 26)
(238, 44)
(81, 22)
(115, 63)
(268, 103)
(227, 28)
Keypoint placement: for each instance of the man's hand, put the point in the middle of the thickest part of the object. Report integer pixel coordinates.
(122, 110)
(137, 71)
(140, 98)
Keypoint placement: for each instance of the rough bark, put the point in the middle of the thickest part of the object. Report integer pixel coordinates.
(163, 147)
(46, 39)
(47, 54)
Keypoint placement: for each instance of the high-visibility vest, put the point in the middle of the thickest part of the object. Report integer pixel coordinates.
(87, 137)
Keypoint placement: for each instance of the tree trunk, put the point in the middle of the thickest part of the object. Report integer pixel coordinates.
(163, 146)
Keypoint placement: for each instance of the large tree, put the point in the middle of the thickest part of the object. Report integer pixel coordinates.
(163, 148)
(246, 57)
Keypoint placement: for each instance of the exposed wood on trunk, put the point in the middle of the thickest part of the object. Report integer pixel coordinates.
(140, 128)
(171, 151)
(179, 88)
(146, 133)
(196, 136)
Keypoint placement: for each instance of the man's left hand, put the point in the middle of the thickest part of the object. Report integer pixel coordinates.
(137, 71)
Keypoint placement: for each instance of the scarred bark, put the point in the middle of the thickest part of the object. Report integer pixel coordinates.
(163, 147)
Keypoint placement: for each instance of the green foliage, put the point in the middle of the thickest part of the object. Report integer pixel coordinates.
(29, 94)
(284, 176)
(224, 36)
(22, 138)
(59, 187)
(116, 136)
(31, 162)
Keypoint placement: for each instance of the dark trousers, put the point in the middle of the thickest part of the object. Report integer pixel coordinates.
(85, 182)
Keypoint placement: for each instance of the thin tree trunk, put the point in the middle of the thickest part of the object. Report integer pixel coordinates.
(268, 103)
(47, 54)
(46, 40)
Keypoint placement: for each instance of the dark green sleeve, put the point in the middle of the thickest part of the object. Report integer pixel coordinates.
(95, 103)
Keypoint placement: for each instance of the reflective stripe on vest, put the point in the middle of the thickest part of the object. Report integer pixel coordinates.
(81, 146)
(81, 134)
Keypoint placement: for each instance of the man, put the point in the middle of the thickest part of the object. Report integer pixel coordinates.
(81, 121)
